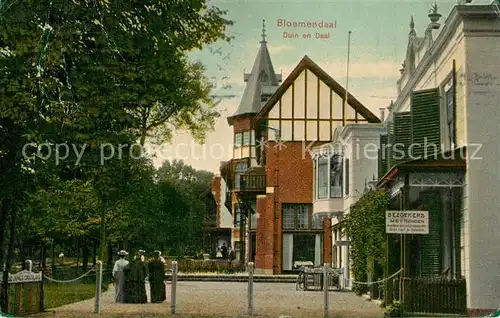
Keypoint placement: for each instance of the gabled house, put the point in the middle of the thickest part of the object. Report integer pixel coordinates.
(303, 113)
(270, 176)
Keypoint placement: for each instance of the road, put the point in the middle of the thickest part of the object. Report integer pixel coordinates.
(228, 299)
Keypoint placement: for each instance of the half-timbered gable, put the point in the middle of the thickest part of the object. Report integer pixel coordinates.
(309, 105)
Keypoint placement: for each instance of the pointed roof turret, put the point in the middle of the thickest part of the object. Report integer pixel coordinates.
(412, 27)
(262, 81)
(263, 32)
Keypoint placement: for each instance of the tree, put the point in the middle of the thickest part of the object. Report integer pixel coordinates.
(171, 91)
(184, 209)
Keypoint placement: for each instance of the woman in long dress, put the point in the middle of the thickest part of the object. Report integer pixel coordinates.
(119, 276)
(157, 279)
(135, 281)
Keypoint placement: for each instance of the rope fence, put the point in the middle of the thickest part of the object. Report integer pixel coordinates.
(378, 281)
(70, 280)
(61, 287)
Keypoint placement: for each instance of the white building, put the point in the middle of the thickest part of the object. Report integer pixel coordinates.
(450, 88)
(340, 178)
(448, 95)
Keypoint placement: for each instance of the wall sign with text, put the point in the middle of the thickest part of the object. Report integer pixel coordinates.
(407, 222)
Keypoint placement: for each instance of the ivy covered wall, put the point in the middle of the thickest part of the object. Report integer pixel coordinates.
(365, 226)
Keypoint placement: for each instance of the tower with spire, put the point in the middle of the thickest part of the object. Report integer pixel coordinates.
(261, 83)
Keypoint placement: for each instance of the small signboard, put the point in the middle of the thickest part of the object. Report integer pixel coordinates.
(407, 222)
(25, 277)
(342, 243)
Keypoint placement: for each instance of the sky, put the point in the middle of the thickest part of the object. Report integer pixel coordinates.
(379, 35)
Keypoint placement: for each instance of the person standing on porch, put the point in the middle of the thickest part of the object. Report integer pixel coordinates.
(119, 277)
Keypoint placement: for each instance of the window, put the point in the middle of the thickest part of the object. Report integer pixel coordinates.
(303, 217)
(288, 217)
(336, 176)
(246, 138)
(317, 223)
(299, 217)
(450, 114)
(322, 178)
(301, 247)
(263, 77)
(238, 140)
(241, 167)
(237, 215)
(331, 177)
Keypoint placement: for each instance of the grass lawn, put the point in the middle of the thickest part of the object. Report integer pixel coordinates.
(60, 294)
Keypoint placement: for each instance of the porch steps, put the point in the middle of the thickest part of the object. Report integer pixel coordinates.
(234, 278)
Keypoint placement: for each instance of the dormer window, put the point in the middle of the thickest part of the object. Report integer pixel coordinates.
(331, 176)
(263, 77)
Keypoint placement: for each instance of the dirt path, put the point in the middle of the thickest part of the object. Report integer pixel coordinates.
(228, 299)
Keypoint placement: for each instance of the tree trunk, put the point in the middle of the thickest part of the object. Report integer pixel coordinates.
(94, 254)
(8, 259)
(85, 255)
(109, 260)
(77, 253)
(53, 258)
(4, 215)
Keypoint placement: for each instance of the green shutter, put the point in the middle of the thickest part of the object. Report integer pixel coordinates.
(390, 141)
(425, 122)
(382, 156)
(430, 244)
(457, 221)
(346, 176)
(402, 136)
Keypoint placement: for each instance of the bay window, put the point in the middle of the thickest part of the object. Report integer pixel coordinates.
(331, 176)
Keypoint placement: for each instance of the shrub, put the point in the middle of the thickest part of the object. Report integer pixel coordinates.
(395, 310)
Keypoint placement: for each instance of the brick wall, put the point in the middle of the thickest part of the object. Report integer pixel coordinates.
(295, 185)
(242, 124)
(264, 253)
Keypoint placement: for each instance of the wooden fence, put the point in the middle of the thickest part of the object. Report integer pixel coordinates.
(25, 293)
(435, 295)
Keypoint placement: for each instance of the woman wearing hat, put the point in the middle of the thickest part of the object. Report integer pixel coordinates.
(135, 279)
(119, 277)
(157, 278)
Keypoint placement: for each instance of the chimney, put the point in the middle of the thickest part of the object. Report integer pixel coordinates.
(382, 114)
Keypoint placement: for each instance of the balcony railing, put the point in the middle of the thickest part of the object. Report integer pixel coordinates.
(251, 182)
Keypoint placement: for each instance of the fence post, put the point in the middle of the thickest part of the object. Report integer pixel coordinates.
(250, 289)
(325, 287)
(98, 288)
(174, 287)
(29, 265)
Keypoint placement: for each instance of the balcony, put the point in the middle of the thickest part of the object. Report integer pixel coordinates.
(253, 183)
